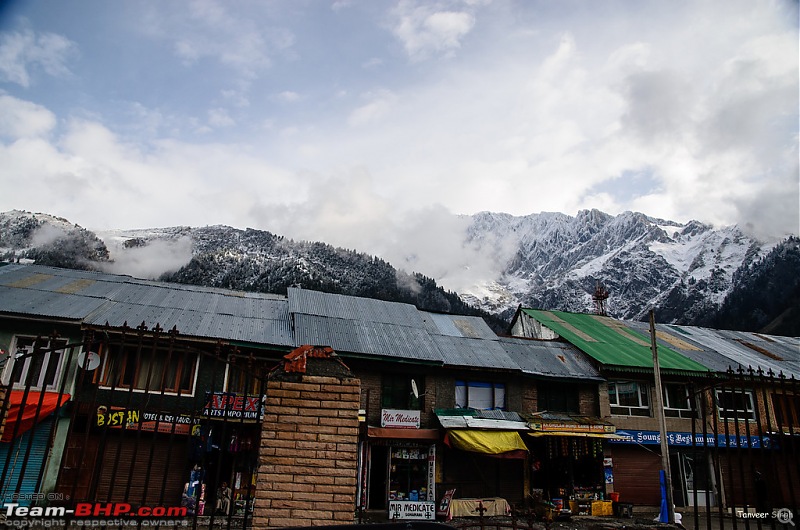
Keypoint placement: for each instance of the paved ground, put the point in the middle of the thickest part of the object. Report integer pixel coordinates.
(641, 520)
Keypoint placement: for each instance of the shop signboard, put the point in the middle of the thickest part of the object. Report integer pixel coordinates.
(400, 419)
(558, 426)
(418, 510)
(238, 407)
(163, 422)
(685, 439)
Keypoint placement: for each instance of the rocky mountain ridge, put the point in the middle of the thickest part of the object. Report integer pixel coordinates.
(558, 260)
(691, 273)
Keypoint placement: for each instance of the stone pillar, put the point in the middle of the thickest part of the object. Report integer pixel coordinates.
(307, 474)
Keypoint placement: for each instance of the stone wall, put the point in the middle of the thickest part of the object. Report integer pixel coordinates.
(309, 451)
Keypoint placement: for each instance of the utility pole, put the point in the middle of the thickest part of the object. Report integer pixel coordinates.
(662, 422)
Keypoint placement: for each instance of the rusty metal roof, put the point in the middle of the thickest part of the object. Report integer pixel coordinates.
(549, 358)
(458, 326)
(474, 353)
(724, 349)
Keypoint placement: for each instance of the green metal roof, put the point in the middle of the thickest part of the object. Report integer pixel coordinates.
(610, 342)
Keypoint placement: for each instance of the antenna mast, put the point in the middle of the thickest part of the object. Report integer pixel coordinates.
(600, 296)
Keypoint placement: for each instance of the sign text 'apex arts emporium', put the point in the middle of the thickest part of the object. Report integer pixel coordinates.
(232, 406)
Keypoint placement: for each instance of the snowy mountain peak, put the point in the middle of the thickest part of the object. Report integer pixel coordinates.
(558, 260)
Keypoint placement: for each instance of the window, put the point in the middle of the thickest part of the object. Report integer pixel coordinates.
(677, 403)
(787, 410)
(151, 369)
(43, 367)
(480, 395)
(735, 404)
(628, 398)
(397, 392)
(558, 398)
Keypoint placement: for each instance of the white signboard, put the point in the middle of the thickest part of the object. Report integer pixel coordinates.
(400, 419)
(425, 511)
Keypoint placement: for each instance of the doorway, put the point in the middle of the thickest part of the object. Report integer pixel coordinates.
(378, 492)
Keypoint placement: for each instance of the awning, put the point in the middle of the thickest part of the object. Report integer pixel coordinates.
(607, 435)
(562, 424)
(481, 419)
(499, 443)
(403, 434)
(31, 413)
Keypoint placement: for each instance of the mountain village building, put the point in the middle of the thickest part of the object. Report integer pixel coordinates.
(730, 400)
(119, 389)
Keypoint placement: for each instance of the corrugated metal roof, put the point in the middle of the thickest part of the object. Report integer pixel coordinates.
(549, 358)
(96, 298)
(46, 303)
(473, 353)
(611, 343)
(458, 326)
(723, 349)
(303, 301)
(366, 337)
(480, 419)
(471, 422)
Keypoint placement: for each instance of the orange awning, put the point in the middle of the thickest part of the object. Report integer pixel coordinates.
(29, 413)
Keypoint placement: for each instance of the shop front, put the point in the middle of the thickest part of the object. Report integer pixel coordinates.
(118, 454)
(484, 461)
(174, 457)
(693, 458)
(30, 423)
(228, 449)
(568, 466)
(398, 467)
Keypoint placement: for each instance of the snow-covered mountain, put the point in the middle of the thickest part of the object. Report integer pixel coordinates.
(690, 273)
(558, 261)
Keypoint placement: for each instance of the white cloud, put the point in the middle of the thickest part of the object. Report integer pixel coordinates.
(23, 119)
(150, 261)
(429, 29)
(537, 108)
(220, 118)
(287, 96)
(202, 29)
(24, 52)
(348, 211)
(379, 104)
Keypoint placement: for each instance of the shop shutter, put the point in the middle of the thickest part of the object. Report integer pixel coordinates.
(636, 476)
(131, 482)
(32, 468)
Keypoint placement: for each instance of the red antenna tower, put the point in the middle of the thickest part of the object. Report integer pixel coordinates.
(600, 296)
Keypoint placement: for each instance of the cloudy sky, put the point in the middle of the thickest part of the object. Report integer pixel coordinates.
(348, 120)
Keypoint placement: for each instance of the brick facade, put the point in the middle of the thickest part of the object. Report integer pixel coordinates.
(307, 472)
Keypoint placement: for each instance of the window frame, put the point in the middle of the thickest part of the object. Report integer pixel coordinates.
(41, 383)
(786, 410)
(495, 394)
(736, 414)
(673, 411)
(400, 384)
(548, 394)
(642, 391)
(125, 358)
